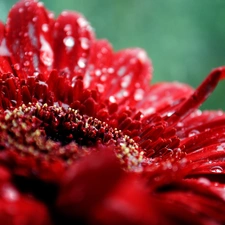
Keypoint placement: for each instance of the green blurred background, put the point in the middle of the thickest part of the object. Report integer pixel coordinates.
(184, 38)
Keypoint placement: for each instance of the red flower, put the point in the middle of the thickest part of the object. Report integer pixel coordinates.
(84, 138)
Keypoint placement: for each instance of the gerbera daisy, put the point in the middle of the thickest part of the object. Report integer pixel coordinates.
(85, 138)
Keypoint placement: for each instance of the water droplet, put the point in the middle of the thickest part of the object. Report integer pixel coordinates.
(40, 4)
(34, 19)
(82, 62)
(126, 81)
(193, 133)
(46, 54)
(17, 66)
(204, 181)
(139, 94)
(180, 124)
(98, 73)
(110, 70)
(32, 34)
(3, 48)
(21, 10)
(45, 27)
(26, 63)
(27, 3)
(121, 71)
(69, 41)
(103, 78)
(216, 169)
(142, 57)
(64, 13)
(82, 22)
(100, 88)
(170, 113)
(112, 99)
(67, 27)
(85, 43)
(220, 148)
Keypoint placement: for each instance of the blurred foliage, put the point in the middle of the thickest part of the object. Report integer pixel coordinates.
(184, 38)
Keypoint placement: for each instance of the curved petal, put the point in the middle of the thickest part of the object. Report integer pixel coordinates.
(87, 182)
(28, 37)
(118, 75)
(162, 98)
(100, 60)
(198, 122)
(15, 210)
(4, 52)
(73, 38)
(129, 203)
(198, 96)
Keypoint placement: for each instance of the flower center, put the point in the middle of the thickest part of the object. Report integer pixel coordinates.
(54, 132)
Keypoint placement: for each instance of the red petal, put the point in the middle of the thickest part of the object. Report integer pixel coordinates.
(100, 59)
(198, 122)
(17, 210)
(72, 43)
(87, 183)
(129, 203)
(28, 37)
(163, 98)
(118, 75)
(4, 52)
(199, 96)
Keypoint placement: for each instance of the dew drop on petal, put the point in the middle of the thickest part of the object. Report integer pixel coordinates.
(142, 57)
(121, 71)
(69, 41)
(46, 54)
(17, 66)
(82, 22)
(26, 63)
(101, 88)
(139, 94)
(4, 51)
(98, 72)
(221, 147)
(85, 43)
(45, 27)
(103, 78)
(204, 181)
(216, 169)
(34, 19)
(193, 133)
(68, 29)
(112, 99)
(21, 10)
(126, 81)
(40, 4)
(110, 70)
(82, 62)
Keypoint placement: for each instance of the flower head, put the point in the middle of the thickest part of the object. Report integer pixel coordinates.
(85, 139)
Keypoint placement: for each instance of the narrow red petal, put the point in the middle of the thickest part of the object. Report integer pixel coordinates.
(73, 38)
(28, 37)
(199, 96)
